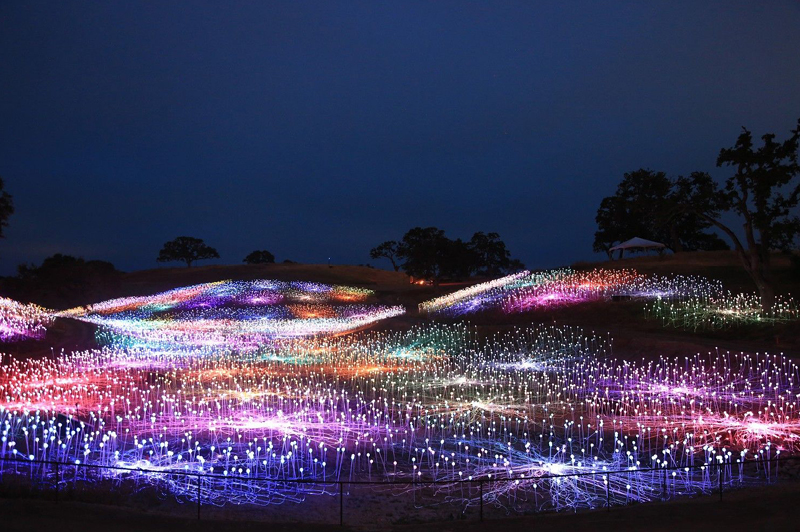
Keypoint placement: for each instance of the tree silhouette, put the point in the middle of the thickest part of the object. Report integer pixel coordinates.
(491, 256)
(387, 250)
(6, 207)
(63, 280)
(260, 257)
(645, 204)
(186, 249)
(764, 191)
(422, 251)
(427, 253)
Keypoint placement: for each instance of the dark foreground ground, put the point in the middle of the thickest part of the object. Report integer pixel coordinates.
(772, 507)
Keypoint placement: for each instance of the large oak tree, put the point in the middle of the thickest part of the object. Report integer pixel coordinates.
(763, 191)
(186, 249)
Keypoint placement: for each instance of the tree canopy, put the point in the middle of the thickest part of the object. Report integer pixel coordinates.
(261, 256)
(764, 191)
(387, 250)
(423, 251)
(426, 252)
(186, 249)
(492, 257)
(6, 207)
(62, 281)
(647, 204)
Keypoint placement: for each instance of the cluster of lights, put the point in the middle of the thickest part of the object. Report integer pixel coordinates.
(436, 403)
(248, 293)
(19, 321)
(721, 311)
(478, 292)
(232, 314)
(526, 291)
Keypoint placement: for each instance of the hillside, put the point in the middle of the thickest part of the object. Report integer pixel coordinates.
(67, 288)
(156, 280)
(722, 265)
(634, 335)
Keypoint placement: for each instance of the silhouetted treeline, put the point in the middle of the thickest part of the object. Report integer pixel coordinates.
(62, 281)
(648, 205)
(427, 253)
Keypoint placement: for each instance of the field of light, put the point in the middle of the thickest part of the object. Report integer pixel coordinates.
(19, 321)
(253, 380)
(526, 291)
(722, 311)
(232, 314)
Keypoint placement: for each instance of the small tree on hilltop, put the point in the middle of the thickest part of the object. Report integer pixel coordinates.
(386, 250)
(260, 257)
(186, 249)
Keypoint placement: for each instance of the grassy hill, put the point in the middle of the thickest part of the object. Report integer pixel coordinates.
(60, 290)
(634, 335)
(151, 281)
(722, 265)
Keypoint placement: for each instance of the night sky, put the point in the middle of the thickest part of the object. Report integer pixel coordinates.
(320, 129)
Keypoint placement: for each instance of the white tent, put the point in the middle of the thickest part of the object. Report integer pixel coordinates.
(636, 243)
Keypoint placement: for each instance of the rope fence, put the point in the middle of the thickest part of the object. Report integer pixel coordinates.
(342, 487)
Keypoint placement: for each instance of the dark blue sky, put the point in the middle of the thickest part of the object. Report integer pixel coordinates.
(319, 129)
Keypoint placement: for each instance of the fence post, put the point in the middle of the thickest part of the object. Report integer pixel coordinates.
(198, 497)
(341, 504)
(480, 483)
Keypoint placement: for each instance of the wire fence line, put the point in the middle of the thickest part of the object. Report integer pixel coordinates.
(719, 467)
